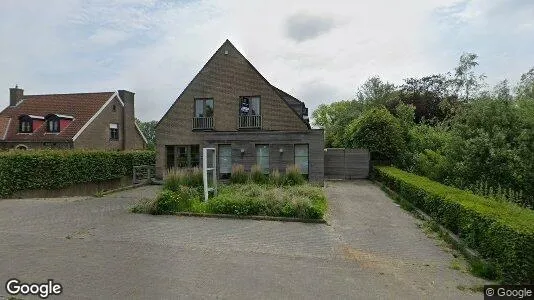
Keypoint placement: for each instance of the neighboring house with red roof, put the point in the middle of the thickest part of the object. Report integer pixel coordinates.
(83, 121)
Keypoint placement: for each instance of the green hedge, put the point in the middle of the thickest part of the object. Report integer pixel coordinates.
(501, 232)
(54, 169)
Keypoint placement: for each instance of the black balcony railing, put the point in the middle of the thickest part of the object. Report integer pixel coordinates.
(253, 121)
(203, 123)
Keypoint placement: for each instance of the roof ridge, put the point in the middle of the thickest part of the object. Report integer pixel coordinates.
(288, 94)
(64, 94)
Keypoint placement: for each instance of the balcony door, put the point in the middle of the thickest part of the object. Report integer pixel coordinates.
(250, 112)
(203, 118)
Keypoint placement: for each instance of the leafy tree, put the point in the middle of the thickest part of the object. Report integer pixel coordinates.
(334, 117)
(374, 92)
(149, 131)
(467, 82)
(378, 131)
(525, 88)
(431, 96)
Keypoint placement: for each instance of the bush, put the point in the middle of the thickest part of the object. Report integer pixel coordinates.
(256, 175)
(238, 174)
(183, 177)
(169, 201)
(378, 131)
(306, 202)
(55, 169)
(293, 176)
(503, 233)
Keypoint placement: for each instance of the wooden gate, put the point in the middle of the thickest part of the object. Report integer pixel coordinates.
(342, 163)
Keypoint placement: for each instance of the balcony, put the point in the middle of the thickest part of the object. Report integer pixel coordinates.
(253, 121)
(203, 123)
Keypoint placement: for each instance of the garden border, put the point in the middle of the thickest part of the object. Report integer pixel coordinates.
(257, 218)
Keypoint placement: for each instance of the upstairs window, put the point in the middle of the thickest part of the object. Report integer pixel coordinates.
(204, 108)
(25, 124)
(249, 106)
(114, 132)
(52, 125)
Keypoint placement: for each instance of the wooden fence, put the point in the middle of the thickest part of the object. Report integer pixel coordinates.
(342, 163)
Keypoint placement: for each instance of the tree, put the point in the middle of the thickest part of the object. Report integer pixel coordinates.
(333, 118)
(376, 93)
(431, 96)
(525, 88)
(467, 82)
(378, 131)
(149, 131)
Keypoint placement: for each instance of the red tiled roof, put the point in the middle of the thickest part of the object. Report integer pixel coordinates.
(80, 106)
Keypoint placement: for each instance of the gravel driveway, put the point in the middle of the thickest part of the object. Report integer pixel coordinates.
(98, 250)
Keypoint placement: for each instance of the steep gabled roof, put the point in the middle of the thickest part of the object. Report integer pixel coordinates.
(277, 91)
(81, 107)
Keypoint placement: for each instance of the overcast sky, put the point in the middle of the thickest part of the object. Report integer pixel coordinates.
(319, 51)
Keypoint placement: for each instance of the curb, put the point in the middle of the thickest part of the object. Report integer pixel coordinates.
(124, 188)
(258, 218)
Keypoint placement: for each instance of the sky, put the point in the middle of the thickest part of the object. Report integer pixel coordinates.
(318, 51)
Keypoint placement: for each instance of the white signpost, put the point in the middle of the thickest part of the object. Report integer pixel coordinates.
(207, 169)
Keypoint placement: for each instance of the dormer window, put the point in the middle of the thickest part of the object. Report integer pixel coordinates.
(52, 124)
(29, 123)
(55, 122)
(25, 124)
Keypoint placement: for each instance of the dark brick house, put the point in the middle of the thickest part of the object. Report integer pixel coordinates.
(82, 121)
(230, 106)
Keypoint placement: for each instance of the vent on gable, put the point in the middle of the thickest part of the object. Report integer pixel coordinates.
(225, 51)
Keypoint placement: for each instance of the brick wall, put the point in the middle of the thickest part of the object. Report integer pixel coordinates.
(97, 135)
(276, 140)
(226, 77)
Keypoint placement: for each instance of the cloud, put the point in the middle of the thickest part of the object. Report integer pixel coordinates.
(303, 26)
(319, 51)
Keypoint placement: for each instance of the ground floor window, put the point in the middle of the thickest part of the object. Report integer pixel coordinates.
(182, 156)
(225, 161)
(262, 157)
(302, 158)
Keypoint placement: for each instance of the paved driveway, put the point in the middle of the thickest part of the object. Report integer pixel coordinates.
(97, 250)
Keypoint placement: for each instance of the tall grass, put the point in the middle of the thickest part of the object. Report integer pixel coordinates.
(183, 177)
(256, 175)
(238, 175)
(293, 176)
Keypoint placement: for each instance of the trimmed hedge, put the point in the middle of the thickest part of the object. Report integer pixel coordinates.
(501, 232)
(55, 169)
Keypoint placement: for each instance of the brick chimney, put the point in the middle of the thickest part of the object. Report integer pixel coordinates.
(15, 95)
(129, 131)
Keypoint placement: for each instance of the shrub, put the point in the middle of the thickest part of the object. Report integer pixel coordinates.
(55, 169)
(293, 176)
(503, 233)
(238, 174)
(379, 131)
(253, 199)
(169, 201)
(256, 175)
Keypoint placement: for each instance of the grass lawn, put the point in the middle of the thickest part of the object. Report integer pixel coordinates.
(303, 201)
